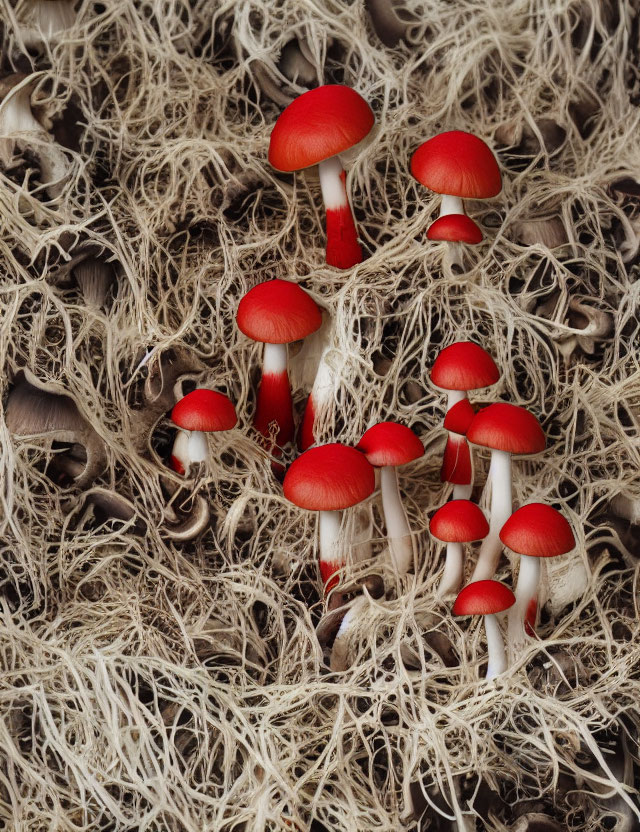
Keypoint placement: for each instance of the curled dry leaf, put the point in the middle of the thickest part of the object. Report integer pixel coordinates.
(187, 527)
(38, 408)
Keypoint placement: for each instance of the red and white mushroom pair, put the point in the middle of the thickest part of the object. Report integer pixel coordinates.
(324, 122)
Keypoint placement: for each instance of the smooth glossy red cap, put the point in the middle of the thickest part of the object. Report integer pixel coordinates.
(459, 521)
(204, 410)
(319, 124)
(455, 228)
(539, 531)
(329, 478)
(507, 427)
(278, 312)
(483, 598)
(458, 418)
(389, 443)
(464, 366)
(459, 164)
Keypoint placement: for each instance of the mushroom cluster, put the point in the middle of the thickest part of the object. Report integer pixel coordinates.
(533, 531)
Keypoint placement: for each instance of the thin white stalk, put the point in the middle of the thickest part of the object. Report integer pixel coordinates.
(451, 205)
(329, 523)
(462, 492)
(501, 510)
(274, 360)
(333, 190)
(495, 647)
(451, 580)
(395, 518)
(180, 450)
(198, 449)
(526, 591)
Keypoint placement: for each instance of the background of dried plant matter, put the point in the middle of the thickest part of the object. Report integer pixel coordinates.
(150, 683)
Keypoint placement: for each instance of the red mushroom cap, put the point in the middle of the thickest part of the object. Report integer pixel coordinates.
(539, 531)
(329, 478)
(458, 418)
(319, 124)
(459, 521)
(507, 427)
(464, 366)
(389, 443)
(455, 228)
(459, 164)
(204, 410)
(483, 598)
(278, 312)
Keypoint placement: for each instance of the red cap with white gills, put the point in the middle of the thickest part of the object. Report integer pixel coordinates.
(313, 130)
(202, 411)
(276, 312)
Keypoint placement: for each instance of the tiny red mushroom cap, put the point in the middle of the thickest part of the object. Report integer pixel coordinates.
(464, 366)
(459, 164)
(204, 410)
(458, 418)
(459, 521)
(389, 443)
(483, 598)
(539, 531)
(455, 228)
(278, 312)
(329, 478)
(507, 427)
(319, 124)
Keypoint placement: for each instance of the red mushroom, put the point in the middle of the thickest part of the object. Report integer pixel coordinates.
(461, 367)
(276, 313)
(388, 445)
(457, 522)
(487, 598)
(199, 412)
(328, 479)
(507, 429)
(460, 166)
(313, 130)
(534, 531)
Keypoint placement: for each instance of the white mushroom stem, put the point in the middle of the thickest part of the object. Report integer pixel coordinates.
(395, 518)
(526, 597)
(496, 655)
(451, 580)
(501, 510)
(197, 447)
(320, 398)
(331, 558)
(53, 16)
(180, 451)
(451, 205)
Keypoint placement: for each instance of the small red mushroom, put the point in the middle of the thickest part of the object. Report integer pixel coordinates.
(328, 479)
(507, 429)
(459, 166)
(276, 313)
(388, 445)
(457, 522)
(533, 531)
(313, 130)
(199, 412)
(461, 367)
(487, 598)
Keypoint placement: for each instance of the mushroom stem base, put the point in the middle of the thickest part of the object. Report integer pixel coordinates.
(501, 509)
(343, 249)
(495, 647)
(331, 556)
(526, 592)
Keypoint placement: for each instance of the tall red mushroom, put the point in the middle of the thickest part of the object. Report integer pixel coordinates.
(276, 313)
(328, 479)
(461, 367)
(388, 445)
(487, 598)
(313, 130)
(533, 531)
(507, 429)
(459, 166)
(199, 412)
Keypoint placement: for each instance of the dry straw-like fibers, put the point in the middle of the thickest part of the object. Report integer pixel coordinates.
(152, 683)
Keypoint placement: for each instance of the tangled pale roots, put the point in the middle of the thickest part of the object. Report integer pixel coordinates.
(151, 684)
